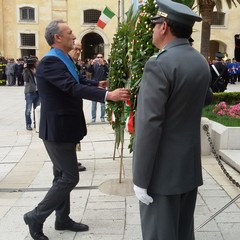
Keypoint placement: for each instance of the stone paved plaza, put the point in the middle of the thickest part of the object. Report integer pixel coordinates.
(107, 206)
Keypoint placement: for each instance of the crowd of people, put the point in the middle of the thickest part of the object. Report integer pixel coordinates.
(12, 71)
(22, 73)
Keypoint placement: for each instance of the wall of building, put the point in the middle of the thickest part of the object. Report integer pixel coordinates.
(224, 35)
(72, 12)
(47, 10)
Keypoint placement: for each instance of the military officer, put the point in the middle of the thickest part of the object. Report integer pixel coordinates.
(167, 154)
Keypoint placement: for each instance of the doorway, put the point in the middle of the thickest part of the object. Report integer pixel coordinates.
(92, 44)
(217, 46)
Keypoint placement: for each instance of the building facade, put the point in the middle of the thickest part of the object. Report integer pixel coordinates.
(23, 22)
(225, 25)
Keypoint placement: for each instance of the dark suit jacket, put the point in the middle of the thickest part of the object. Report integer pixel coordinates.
(62, 118)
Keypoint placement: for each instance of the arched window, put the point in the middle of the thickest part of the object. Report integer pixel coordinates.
(218, 18)
(27, 14)
(91, 16)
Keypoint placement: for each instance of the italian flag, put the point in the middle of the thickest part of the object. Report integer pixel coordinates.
(105, 17)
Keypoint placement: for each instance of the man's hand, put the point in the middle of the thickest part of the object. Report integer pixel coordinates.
(119, 94)
(103, 84)
(141, 194)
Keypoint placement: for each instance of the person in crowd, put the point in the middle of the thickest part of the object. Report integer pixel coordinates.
(166, 152)
(30, 91)
(75, 54)
(19, 72)
(232, 70)
(10, 72)
(3, 77)
(99, 70)
(62, 126)
(218, 67)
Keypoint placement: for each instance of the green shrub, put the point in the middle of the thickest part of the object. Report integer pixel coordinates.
(231, 98)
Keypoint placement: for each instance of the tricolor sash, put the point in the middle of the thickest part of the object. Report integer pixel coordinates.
(65, 59)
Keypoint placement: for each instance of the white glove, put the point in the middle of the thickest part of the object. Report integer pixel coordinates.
(141, 194)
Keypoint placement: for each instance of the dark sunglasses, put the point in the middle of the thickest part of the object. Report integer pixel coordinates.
(99, 57)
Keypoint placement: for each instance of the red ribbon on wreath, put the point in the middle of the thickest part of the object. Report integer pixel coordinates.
(130, 118)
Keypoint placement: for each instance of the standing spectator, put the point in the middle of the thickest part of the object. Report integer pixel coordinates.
(10, 72)
(30, 91)
(62, 126)
(219, 68)
(167, 154)
(232, 69)
(75, 54)
(19, 72)
(99, 70)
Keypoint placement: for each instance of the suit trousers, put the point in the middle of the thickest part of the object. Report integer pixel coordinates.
(169, 217)
(66, 177)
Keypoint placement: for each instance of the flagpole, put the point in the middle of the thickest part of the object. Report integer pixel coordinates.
(118, 12)
(123, 14)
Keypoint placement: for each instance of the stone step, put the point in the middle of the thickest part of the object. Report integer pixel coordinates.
(232, 157)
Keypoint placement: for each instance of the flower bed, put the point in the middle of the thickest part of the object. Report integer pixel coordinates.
(222, 109)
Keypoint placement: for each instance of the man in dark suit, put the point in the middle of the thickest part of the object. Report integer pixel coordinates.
(166, 153)
(62, 125)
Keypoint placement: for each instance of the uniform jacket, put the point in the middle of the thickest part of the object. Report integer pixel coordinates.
(223, 71)
(167, 153)
(62, 118)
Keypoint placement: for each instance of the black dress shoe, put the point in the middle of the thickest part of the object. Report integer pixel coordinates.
(35, 228)
(71, 226)
(81, 168)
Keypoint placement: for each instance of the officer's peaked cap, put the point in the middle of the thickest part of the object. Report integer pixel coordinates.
(219, 55)
(177, 12)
